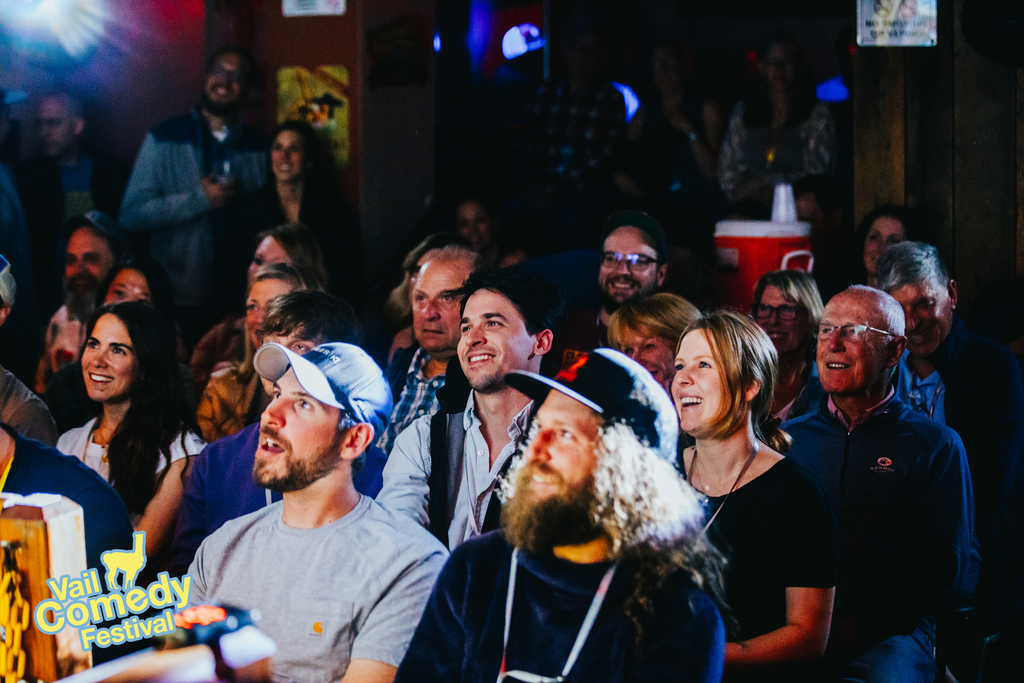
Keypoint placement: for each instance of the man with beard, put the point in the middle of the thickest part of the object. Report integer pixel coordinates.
(188, 172)
(339, 581)
(599, 568)
(444, 468)
(65, 178)
(633, 266)
(88, 258)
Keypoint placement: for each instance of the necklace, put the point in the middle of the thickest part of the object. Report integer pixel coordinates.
(101, 434)
(743, 470)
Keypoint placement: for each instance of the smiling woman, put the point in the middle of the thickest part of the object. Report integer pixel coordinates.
(145, 434)
(767, 514)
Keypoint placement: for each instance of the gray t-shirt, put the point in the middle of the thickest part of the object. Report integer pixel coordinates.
(25, 411)
(353, 589)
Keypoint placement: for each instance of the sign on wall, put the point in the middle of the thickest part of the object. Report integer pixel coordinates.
(320, 98)
(304, 8)
(897, 22)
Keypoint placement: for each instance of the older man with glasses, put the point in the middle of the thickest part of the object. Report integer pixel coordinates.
(973, 386)
(901, 490)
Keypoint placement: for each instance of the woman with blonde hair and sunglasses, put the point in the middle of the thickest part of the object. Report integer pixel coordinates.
(768, 515)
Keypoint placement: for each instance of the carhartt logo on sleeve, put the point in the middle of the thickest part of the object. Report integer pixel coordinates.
(316, 630)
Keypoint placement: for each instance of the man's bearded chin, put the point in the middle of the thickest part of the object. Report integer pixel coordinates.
(611, 304)
(538, 526)
(226, 109)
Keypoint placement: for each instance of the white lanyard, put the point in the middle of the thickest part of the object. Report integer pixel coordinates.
(581, 637)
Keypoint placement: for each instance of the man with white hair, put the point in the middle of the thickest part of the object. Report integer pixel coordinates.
(901, 490)
(973, 386)
(599, 568)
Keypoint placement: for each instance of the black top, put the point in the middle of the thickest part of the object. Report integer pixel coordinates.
(776, 531)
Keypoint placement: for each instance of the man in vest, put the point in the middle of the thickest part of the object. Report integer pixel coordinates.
(444, 468)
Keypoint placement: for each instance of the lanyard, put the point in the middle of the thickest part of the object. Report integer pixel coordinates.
(581, 637)
(7, 470)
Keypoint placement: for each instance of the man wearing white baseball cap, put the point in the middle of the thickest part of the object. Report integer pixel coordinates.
(339, 580)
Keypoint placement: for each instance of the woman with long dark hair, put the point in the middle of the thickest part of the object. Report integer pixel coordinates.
(768, 515)
(779, 134)
(145, 433)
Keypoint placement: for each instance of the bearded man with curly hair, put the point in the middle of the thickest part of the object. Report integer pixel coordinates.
(600, 571)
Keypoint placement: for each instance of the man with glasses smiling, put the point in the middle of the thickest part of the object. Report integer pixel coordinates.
(633, 266)
(901, 490)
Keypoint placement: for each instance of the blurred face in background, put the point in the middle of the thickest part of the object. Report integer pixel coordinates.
(883, 233)
(59, 128)
(435, 307)
(261, 293)
(128, 285)
(788, 335)
(474, 225)
(656, 354)
(268, 251)
(288, 157)
(87, 260)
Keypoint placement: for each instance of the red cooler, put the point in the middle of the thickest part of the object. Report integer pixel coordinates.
(746, 250)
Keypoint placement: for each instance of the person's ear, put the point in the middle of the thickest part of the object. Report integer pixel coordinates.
(79, 127)
(895, 349)
(662, 271)
(356, 440)
(752, 390)
(5, 310)
(543, 342)
(951, 290)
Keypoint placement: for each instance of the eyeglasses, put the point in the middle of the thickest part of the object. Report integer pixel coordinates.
(853, 333)
(229, 75)
(633, 261)
(785, 311)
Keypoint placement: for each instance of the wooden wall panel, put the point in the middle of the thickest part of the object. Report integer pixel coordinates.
(878, 129)
(985, 168)
(929, 132)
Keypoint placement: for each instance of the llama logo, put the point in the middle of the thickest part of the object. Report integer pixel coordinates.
(128, 562)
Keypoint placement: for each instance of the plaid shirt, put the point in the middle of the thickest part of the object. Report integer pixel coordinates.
(418, 398)
(569, 136)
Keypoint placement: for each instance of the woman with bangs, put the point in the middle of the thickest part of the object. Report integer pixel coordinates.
(767, 515)
(788, 307)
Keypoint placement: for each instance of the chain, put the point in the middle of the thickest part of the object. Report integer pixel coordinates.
(14, 617)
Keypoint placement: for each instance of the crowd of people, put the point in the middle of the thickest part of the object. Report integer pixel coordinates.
(571, 467)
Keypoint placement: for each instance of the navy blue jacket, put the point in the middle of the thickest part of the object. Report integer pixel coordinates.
(901, 490)
(220, 488)
(41, 469)
(985, 405)
(459, 639)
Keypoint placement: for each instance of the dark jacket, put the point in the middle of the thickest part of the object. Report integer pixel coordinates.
(42, 197)
(901, 489)
(985, 405)
(330, 221)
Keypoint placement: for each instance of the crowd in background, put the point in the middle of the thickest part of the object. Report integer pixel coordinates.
(135, 302)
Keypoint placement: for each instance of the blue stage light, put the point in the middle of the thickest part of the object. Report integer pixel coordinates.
(632, 101)
(521, 39)
(75, 25)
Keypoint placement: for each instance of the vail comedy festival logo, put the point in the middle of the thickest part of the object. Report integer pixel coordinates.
(81, 602)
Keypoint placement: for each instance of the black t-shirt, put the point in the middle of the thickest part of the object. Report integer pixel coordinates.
(776, 532)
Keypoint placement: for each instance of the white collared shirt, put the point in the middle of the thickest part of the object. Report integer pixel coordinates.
(406, 487)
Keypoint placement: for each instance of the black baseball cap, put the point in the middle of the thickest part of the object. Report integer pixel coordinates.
(618, 388)
(640, 220)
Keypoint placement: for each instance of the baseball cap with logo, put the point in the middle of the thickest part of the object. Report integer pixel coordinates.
(337, 374)
(8, 287)
(618, 388)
